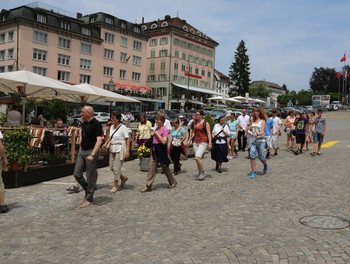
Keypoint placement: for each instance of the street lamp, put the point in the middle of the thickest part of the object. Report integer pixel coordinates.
(111, 87)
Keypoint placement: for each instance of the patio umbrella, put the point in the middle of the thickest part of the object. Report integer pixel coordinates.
(233, 100)
(215, 98)
(28, 84)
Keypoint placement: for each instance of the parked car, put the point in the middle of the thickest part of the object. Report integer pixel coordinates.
(285, 111)
(71, 119)
(102, 117)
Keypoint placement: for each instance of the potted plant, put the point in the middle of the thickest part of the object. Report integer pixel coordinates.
(52, 159)
(144, 154)
(17, 148)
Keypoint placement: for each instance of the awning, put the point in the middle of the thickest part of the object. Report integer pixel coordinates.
(144, 99)
(196, 89)
(195, 102)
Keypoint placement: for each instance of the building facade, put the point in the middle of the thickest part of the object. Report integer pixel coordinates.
(180, 61)
(274, 88)
(95, 49)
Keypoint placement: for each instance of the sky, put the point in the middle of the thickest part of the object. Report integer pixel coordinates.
(286, 40)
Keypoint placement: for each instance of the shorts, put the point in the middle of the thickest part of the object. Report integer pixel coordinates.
(318, 138)
(2, 186)
(290, 131)
(233, 135)
(199, 149)
(268, 140)
(300, 138)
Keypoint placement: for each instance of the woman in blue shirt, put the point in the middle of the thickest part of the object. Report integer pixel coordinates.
(178, 135)
(232, 124)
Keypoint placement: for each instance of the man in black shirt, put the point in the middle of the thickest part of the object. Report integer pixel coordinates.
(88, 154)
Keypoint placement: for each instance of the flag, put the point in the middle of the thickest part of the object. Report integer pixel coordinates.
(348, 74)
(127, 59)
(338, 75)
(343, 58)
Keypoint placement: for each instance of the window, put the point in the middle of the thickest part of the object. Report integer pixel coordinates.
(2, 37)
(40, 70)
(162, 77)
(196, 71)
(109, 20)
(11, 36)
(136, 76)
(65, 25)
(162, 65)
(109, 37)
(10, 53)
(123, 42)
(163, 41)
(163, 53)
(136, 60)
(137, 30)
(153, 53)
(10, 68)
(63, 59)
(184, 55)
(41, 18)
(84, 78)
(153, 42)
(40, 37)
(122, 74)
(64, 43)
(85, 64)
(176, 54)
(151, 78)
(108, 54)
(137, 45)
(123, 25)
(2, 54)
(152, 66)
(85, 31)
(209, 74)
(203, 72)
(107, 71)
(85, 48)
(63, 76)
(176, 65)
(39, 54)
(123, 56)
(183, 67)
(2, 69)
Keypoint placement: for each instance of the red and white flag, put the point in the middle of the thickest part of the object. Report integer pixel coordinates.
(343, 58)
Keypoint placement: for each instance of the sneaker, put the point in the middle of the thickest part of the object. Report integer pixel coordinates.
(113, 190)
(301, 152)
(265, 168)
(313, 153)
(123, 181)
(319, 153)
(173, 185)
(201, 176)
(85, 204)
(74, 188)
(146, 189)
(253, 175)
(4, 209)
(219, 170)
(236, 155)
(296, 153)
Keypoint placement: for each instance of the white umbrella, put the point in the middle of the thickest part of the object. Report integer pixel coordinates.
(96, 94)
(258, 101)
(231, 99)
(26, 84)
(215, 98)
(240, 98)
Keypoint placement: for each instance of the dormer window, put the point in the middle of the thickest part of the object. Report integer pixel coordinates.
(109, 20)
(185, 28)
(65, 25)
(86, 31)
(154, 25)
(123, 25)
(164, 24)
(137, 30)
(41, 18)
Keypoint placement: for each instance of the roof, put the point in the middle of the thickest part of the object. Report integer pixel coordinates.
(269, 84)
(220, 76)
(178, 23)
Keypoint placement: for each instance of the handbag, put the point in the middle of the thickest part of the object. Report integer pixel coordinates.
(176, 142)
(149, 143)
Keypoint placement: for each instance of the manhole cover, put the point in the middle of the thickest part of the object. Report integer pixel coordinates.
(324, 221)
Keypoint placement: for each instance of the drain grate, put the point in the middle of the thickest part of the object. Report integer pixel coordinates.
(324, 221)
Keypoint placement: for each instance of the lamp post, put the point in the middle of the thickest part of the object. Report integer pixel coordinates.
(111, 87)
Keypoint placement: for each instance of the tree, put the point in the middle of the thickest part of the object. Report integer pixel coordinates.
(239, 71)
(259, 90)
(58, 109)
(284, 87)
(324, 80)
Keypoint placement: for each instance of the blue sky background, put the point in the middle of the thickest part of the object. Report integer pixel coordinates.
(286, 40)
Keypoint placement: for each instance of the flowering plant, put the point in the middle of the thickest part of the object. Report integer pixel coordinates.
(17, 148)
(143, 152)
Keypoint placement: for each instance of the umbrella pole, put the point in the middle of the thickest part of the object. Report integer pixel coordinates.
(23, 110)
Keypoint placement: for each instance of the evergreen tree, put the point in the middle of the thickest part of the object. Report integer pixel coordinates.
(239, 71)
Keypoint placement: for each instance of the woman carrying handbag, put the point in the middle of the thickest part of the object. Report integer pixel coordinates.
(177, 147)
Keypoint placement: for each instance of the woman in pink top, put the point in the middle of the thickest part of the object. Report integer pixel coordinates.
(159, 154)
(290, 127)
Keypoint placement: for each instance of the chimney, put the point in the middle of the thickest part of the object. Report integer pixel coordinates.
(143, 20)
(79, 15)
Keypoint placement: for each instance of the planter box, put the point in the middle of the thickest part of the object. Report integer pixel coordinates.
(144, 163)
(55, 161)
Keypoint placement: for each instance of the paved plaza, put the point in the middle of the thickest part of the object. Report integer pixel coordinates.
(227, 218)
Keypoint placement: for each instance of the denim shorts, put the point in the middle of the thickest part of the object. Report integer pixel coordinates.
(318, 138)
(258, 147)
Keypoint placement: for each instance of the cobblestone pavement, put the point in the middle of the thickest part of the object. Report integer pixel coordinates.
(227, 218)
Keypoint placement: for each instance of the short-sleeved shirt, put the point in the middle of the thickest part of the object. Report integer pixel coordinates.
(319, 124)
(268, 126)
(216, 131)
(300, 126)
(121, 134)
(90, 131)
(177, 133)
(232, 125)
(243, 121)
(276, 122)
(163, 132)
(145, 130)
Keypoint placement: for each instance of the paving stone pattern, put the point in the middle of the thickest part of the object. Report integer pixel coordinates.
(227, 218)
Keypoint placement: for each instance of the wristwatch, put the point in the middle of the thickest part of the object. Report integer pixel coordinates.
(92, 155)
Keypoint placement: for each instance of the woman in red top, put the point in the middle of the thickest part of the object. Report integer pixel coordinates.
(202, 141)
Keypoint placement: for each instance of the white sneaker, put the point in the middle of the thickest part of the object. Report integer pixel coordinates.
(201, 176)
